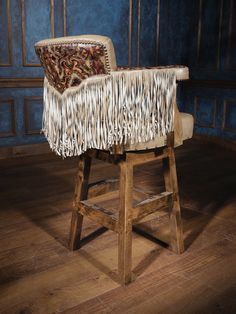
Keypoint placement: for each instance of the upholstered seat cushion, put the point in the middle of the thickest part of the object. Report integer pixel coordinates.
(187, 124)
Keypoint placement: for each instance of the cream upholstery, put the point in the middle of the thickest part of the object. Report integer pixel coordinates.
(187, 124)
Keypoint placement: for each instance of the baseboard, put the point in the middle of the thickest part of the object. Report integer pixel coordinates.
(24, 150)
(219, 141)
(43, 148)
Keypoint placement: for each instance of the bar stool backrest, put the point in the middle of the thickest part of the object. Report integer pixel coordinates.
(69, 60)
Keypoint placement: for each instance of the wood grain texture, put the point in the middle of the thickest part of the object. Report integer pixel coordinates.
(151, 204)
(81, 192)
(99, 214)
(125, 223)
(171, 184)
(38, 274)
(121, 221)
(103, 187)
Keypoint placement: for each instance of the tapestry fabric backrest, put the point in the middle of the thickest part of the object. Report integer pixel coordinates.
(69, 60)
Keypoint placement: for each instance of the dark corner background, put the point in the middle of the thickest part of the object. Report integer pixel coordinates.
(198, 33)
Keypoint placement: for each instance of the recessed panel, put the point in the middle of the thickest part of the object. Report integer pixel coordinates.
(232, 37)
(205, 110)
(103, 17)
(230, 115)
(33, 114)
(5, 33)
(59, 15)
(148, 12)
(210, 19)
(177, 35)
(36, 25)
(7, 118)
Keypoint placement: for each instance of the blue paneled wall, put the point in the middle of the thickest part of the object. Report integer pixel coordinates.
(202, 35)
(109, 18)
(198, 33)
(24, 22)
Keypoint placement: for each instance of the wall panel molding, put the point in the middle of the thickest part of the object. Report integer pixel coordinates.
(9, 35)
(25, 150)
(230, 37)
(52, 17)
(199, 35)
(138, 32)
(21, 82)
(158, 31)
(212, 123)
(130, 33)
(226, 113)
(219, 36)
(28, 101)
(64, 17)
(199, 30)
(25, 63)
(11, 103)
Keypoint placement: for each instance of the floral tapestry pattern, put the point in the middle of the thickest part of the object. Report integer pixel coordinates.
(66, 65)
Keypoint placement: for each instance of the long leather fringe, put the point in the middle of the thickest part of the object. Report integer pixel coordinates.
(121, 108)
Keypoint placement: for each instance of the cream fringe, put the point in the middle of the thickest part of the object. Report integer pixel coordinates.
(124, 107)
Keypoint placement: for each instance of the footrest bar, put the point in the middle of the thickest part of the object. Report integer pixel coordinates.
(152, 204)
(98, 214)
(102, 187)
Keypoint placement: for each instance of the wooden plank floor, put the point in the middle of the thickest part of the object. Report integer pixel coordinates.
(39, 275)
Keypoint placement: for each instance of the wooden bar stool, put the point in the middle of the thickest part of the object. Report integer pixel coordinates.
(128, 117)
(127, 214)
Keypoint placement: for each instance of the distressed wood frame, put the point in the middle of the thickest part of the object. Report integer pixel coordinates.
(128, 214)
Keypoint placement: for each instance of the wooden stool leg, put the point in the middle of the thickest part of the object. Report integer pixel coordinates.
(81, 192)
(171, 183)
(125, 223)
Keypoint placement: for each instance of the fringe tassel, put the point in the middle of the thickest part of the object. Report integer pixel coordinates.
(124, 107)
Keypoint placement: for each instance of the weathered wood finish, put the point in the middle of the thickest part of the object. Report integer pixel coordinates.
(171, 184)
(142, 157)
(125, 223)
(105, 156)
(102, 187)
(129, 213)
(99, 214)
(81, 191)
(150, 205)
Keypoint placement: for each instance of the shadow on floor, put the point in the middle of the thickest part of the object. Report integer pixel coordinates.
(43, 192)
